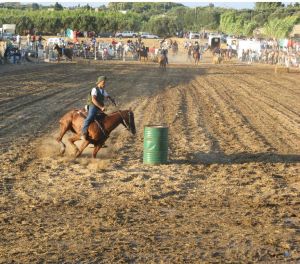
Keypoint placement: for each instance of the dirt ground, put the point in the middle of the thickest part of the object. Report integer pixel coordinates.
(230, 192)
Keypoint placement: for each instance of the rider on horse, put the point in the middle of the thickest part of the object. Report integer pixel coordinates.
(196, 47)
(164, 50)
(95, 103)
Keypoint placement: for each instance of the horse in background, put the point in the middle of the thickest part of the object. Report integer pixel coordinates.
(73, 121)
(196, 56)
(63, 51)
(174, 48)
(217, 59)
(129, 49)
(143, 52)
(162, 61)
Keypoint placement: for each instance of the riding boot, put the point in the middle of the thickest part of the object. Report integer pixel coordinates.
(85, 136)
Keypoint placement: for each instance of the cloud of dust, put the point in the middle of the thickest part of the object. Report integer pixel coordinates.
(180, 58)
(48, 147)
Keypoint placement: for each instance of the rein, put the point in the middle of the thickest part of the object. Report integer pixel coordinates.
(128, 126)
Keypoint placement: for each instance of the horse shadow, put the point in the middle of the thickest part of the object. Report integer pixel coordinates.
(236, 158)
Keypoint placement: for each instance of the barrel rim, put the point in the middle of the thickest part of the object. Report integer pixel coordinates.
(156, 126)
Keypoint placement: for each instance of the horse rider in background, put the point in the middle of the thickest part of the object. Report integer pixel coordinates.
(164, 49)
(196, 47)
(95, 104)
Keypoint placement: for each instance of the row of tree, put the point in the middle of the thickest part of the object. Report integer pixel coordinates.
(163, 19)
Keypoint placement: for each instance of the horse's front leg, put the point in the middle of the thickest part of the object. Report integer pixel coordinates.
(82, 147)
(96, 149)
(72, 142)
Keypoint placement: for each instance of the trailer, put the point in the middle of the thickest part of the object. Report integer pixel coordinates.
(214, 41)
(8, 28)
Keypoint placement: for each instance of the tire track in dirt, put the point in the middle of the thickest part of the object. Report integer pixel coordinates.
(38, 94)
(268, 91)
(223, 127)
(23, 117)
(198, 125)
(286, 82)
(282, 122)
(244, 121)
(229, 103)
(270, 112)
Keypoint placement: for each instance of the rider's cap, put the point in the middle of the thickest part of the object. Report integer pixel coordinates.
(101, 78)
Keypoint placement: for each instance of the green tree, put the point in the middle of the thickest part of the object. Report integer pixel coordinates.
(279, 28)
(163, 26)
(35, 6)
(58, 7)
(23, 24)
(268, 5)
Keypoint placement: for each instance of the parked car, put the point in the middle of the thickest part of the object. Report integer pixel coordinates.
(105, 35)
(147, 35)
(126, 34)
(7, 36)
(194, 35)
(53, 41)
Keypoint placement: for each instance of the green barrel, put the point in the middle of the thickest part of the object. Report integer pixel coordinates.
(155, 145)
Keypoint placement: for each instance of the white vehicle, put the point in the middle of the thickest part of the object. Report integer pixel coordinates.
(147, 35)
(194, 35)
(126, 34)
(53, 41)
(233, 42)
(245, 45)
(8, 28)
(7, 36)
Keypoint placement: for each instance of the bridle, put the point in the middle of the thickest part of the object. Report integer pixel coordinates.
(128, 126)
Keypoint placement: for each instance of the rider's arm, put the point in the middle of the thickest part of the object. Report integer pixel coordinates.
(96, 103)
(106, 95)
(112, 100)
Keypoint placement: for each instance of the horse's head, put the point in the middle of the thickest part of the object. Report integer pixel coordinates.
(128, 120)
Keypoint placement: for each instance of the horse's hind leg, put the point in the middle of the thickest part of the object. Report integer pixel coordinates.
(72, 140)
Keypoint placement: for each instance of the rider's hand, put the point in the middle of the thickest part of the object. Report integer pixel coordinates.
(103, 109)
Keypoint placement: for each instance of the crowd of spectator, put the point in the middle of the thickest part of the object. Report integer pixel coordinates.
(274, 52)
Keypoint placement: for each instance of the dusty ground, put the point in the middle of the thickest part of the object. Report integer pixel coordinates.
(230, 192)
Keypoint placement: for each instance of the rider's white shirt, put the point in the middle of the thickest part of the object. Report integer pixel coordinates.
(94, 92)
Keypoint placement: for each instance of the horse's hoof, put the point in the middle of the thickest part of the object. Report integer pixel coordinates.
(62, 152)
(77, 154)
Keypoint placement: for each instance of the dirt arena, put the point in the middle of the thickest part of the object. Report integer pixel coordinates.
(230, 192)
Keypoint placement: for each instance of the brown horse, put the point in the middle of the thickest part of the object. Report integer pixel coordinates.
(196, 56)
(143, 52)
(73, 121)
(162, 61)
(60, 52)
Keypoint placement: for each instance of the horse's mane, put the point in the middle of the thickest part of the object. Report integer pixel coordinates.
(116, 112)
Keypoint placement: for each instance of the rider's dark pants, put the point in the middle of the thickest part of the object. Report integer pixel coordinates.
(93, 110)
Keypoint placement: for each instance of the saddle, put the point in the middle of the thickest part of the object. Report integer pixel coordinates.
(98, 119)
